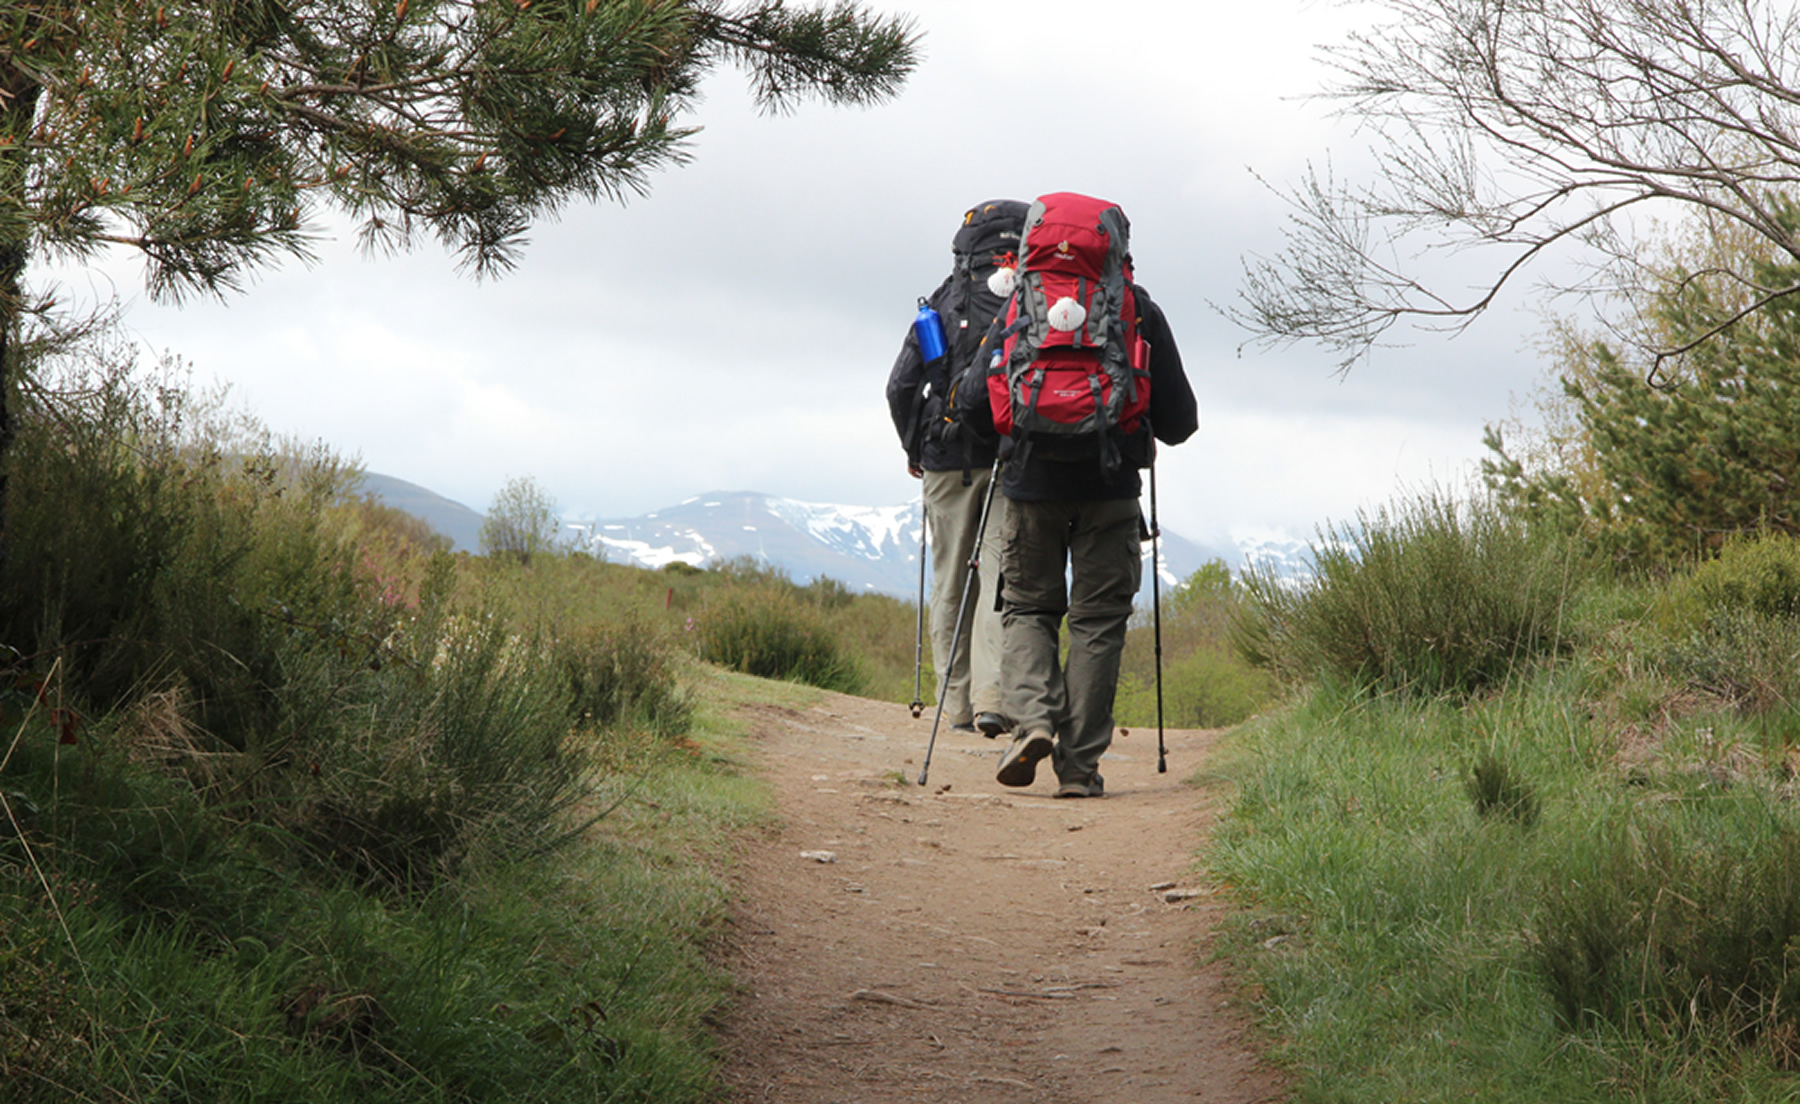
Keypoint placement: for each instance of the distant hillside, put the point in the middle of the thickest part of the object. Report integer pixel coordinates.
(867, 548)
(454, 520)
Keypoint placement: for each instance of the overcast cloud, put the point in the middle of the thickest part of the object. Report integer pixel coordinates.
(733, 330)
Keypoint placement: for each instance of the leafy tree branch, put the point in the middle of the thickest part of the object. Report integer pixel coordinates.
(212, 136)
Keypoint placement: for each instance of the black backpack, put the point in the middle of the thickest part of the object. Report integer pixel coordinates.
(970, 299)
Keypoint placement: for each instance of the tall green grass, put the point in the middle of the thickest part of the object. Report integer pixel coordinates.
(149, 950)
(1430, 595)
(1571, 878)
(774, 634)
(1730, 628)
(744, 615)
(298, 806)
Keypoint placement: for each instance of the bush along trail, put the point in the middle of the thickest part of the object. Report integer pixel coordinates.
(295, 805)
(964, 942)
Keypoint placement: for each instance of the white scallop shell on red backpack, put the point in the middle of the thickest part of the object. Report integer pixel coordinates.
(1067, 315)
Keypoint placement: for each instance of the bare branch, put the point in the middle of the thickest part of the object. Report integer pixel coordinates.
(1506, 129)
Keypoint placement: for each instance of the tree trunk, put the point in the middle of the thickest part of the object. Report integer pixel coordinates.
(15, 250)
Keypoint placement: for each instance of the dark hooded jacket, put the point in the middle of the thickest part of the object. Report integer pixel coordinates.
(918, 394)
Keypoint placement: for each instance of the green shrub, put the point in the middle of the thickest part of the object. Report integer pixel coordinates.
(281, 795)
(623, 675)
(149, 547)
(1431, 596)
(1673, 924)
(1741, 658)
(768, 632)
(1210, 687)
(748, 570)
(226, 603)
(521, 522)
(881, 632)
(1729, 629)
(411, 773)
(1756, 574)
(559, 595)
(1206, 683)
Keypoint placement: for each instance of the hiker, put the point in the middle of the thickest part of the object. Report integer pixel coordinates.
(1071, 537)
(955, 468)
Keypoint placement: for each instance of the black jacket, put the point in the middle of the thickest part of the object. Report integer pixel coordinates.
(918, 397)
(1174, 416)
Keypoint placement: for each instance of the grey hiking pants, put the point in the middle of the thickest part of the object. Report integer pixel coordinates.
(953, 512)
(1097, 542)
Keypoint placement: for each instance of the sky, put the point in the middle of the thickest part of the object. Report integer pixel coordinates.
(733, 330)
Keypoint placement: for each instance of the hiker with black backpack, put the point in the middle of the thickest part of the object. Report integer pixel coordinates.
(955, 466)
(1077, 382)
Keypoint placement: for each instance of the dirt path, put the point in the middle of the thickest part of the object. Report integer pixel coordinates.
(972, 944)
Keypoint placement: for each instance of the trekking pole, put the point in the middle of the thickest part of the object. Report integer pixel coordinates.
(1162, 753)
(961, 608)
(918, 706)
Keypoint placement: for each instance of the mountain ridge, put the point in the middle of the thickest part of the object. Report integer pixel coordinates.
(870, 549)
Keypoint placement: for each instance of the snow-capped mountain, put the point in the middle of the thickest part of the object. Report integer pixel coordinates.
(868, 548)
(1289, 557)
(873, 548)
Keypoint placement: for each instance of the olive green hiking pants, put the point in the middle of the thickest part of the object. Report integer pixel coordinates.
(1080, 560)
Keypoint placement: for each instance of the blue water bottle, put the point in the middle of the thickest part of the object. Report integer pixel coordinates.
(928, 328)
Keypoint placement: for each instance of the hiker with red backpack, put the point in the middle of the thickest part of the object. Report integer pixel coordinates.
(1077, 382)
(956, 466)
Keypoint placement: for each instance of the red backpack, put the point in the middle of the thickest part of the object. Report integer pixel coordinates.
(1071, 374)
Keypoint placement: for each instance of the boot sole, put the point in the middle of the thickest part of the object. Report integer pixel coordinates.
(1018, 767)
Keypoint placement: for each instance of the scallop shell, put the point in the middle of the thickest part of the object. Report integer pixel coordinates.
(1067, 315)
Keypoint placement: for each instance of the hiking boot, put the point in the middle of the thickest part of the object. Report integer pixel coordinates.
(965, 726)
(991, 724)
(1018, 767)
(1095, 786)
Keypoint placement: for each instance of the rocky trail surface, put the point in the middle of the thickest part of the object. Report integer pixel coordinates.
(962, 942)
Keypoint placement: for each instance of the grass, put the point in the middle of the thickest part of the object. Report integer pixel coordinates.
(775, 634)
(1432, 595)
(147, 951)
(1405, 946)
(742, 615)
(299, 806)
(1576, 878)
(1386, 934)
(1206, 681)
